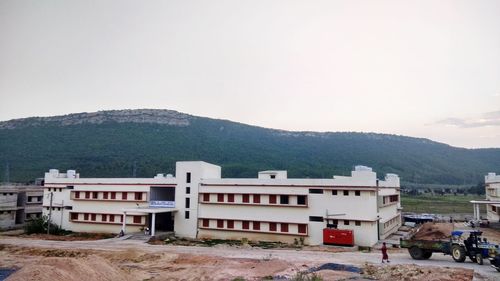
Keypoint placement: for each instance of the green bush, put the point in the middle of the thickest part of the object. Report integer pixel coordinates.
(39, 226)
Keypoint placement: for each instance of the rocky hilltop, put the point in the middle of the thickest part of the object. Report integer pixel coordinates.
(145, 116)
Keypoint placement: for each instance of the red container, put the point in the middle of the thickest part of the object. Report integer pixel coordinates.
(338, 237)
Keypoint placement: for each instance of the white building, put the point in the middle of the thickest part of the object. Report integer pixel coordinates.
(492, 183)
(198, 203)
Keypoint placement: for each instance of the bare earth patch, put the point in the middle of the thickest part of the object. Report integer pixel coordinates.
(412, 272)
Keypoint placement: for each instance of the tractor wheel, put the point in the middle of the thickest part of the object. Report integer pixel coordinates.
(416, 253)
(479, 259)
(458, 253)
(427, 255)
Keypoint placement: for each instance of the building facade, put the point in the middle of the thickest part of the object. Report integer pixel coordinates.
(198, 203)
(492, 185)
(18, 204)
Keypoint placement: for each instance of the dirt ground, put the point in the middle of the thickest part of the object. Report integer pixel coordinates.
(134, 264)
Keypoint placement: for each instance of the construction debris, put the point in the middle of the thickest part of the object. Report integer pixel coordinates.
(434, 231)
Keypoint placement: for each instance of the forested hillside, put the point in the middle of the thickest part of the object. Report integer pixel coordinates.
(108, 143)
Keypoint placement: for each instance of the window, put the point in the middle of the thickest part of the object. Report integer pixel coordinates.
(357, 223)
(206, 197)
(137, 219)
(494, 208)
(256, 225)
(111, 218)
(256, 198)
(77, 194)
(188, 190)
(283, 199)
(205, 222)
(346, 222)
(220, 197)
(284, 227)
(315, 218)
(188, 202)
(68, 207)
(87, 195)
(272, 176)
(301, 200)
(94, 195)
(47, 190)
(335, 222)
(246, 198)
(357, 193)
(104, 217)
(230, 198)
(346, 192)
(334, 192)
(316, 191)
(186, 214)
(245, 225)
(121, 218)
(30, 199)
(188, 177)
(124, 195)
(105, 195)
(93, 217)
(272, 226)
(74, 216)
(113, 195)
(302, 228)
(272, 199)
(138, 196)
(220, 223)
(230, 224)
(86, 217)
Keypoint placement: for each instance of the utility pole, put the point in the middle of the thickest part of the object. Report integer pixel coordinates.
(50, 212)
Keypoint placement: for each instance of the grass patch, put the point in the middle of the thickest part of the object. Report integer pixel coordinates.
(440, 204)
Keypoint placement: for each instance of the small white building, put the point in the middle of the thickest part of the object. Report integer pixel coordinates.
(198, 203)
(492, 185)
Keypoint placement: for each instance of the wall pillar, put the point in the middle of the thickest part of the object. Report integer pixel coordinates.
(153, 224)
(124, 223)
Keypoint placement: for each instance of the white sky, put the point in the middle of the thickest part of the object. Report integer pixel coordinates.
(419, 68)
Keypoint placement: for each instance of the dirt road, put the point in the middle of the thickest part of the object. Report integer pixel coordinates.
(282, 258)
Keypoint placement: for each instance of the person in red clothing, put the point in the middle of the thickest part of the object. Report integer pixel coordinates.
(384, 253)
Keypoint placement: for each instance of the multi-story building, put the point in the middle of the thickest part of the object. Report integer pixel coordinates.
(198, 203)
(18, 204)
(492, 185)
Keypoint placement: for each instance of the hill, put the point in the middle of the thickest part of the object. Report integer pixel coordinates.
(111, 143)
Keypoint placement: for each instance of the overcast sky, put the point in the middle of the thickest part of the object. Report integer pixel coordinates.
(418, 68)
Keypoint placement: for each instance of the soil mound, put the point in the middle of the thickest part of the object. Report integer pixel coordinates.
(434, 231)
(69, 269)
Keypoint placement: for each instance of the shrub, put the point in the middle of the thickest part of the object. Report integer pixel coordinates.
(39, 226)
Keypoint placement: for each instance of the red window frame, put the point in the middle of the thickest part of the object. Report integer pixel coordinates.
(230, 198)
(256, 198)
(302, 228)
(245, 225)
(105, 195)
(220, 223)
(272, 226)
(206, 197)
(113, 195)
(137, 219)
(272, 199)
(246, 198)
(87, 195)
(256, 225)
(220, 197)
(138, 196)
(124, 195)
(284, 227)
(230, 224)
(205, 222)
(77, 194)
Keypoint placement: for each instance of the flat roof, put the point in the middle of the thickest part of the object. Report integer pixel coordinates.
(484, 202)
